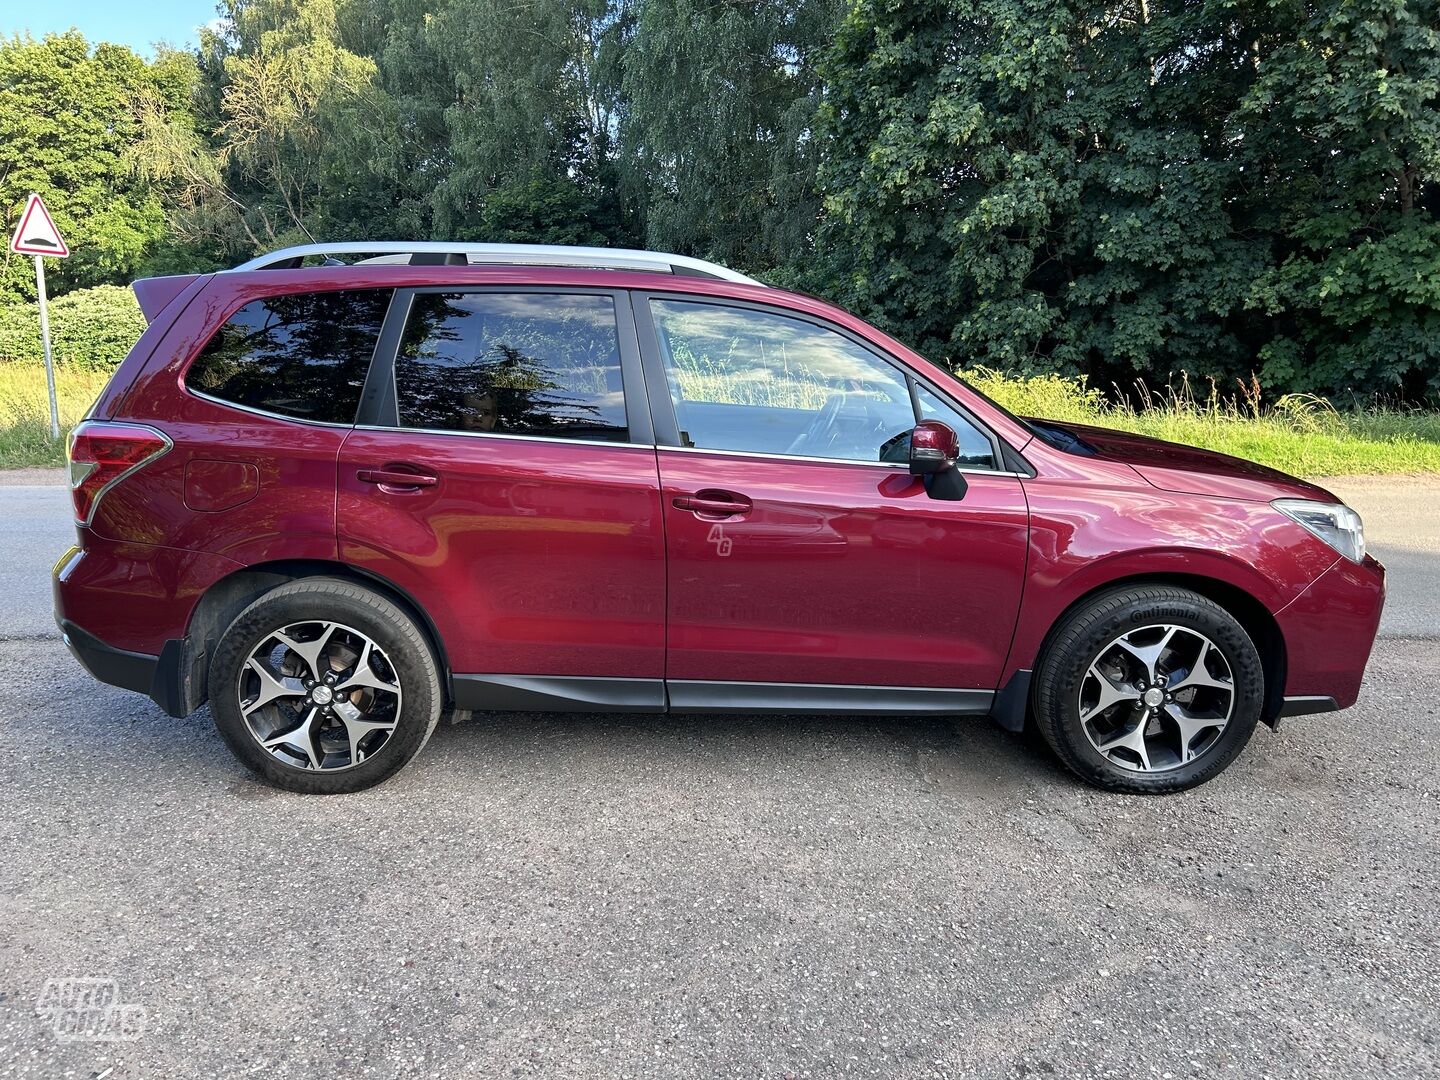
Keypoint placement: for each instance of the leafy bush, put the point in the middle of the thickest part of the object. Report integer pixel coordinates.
(90, 329)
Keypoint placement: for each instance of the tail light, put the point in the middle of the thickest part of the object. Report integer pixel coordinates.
(102, 454)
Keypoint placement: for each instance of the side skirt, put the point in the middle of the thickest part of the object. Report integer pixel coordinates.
(558, 693)
(757, 697)
(554, 693)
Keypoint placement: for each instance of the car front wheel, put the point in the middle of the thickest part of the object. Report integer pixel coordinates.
(1149, 690)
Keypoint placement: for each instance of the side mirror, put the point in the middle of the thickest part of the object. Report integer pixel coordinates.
(934, 448)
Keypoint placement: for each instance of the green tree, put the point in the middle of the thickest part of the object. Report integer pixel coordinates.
(947, 166)
(1348, 106)
(562, 121)
(287, 116)
(503, 121)
(716, 102)
(1139, 188)
(67, 118)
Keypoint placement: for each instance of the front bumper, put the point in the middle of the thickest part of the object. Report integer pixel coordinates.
(1329, 630)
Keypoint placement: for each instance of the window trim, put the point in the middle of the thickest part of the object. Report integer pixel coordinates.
(379, 406)
(340, 425)
(893, 466)
(373, 394)
(603, 444)
(667, 428)
(375, 353)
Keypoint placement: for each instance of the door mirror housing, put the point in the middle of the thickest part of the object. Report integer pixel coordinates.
(934, 448)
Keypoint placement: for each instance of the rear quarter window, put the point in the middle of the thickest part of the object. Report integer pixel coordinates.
(303, 356)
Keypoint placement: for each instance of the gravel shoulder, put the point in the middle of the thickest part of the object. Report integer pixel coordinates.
(32, 477)
(1402, 530)
(718, 897)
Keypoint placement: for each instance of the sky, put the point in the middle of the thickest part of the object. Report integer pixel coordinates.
(137, 23)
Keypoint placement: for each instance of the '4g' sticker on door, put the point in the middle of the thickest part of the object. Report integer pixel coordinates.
(722, 543)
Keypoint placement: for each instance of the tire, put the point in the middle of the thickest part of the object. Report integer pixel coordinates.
(1131, 648)
(337, 716)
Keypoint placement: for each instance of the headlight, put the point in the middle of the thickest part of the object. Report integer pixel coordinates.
(1335, 523)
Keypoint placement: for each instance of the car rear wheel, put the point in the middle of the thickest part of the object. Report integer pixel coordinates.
(322, 686)
(1149, 690)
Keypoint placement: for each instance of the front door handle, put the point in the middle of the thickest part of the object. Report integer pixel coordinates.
(393, 478)
(713, 501)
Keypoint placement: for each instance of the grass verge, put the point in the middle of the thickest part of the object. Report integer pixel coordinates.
(25, 412)
(1298, 434)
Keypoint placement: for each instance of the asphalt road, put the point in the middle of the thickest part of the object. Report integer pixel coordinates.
(720, 897)
(1402, 529)
(35, 528)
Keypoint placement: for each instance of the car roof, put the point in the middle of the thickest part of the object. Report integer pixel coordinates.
(367, 275)
(447, 253)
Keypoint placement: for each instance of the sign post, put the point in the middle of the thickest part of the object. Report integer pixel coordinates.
(38, 236)
(45, 340)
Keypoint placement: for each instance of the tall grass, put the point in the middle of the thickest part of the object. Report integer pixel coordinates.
(774, 382)
(1297, 433)
(25, 411)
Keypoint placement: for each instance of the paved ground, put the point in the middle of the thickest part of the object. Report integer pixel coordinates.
(1402, 526)
(35, 528)
(656, 897)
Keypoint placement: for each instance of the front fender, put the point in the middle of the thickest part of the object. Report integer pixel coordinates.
(1084, 538)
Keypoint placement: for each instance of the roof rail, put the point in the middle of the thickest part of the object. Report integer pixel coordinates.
(443, 252)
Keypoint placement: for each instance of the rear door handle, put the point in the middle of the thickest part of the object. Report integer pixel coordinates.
(397, 478)
(713, 501)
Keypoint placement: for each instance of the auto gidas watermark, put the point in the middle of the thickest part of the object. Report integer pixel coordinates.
(88, 1008)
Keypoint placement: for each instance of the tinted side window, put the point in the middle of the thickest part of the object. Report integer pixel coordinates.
(512, 363)
(762, 382)
(304, 355)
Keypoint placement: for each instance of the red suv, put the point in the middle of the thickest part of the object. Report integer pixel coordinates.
(334, 500)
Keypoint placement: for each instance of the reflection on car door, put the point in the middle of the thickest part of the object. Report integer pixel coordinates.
(795, 554)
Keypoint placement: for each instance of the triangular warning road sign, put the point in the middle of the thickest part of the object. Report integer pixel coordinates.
(37, 234)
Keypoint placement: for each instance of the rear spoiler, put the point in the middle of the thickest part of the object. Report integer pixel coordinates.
(155, 293)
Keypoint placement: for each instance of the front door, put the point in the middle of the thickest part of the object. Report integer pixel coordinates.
(800, 551)
(507, 481)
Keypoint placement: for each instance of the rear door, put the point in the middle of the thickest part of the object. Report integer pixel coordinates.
(504, 475)
(802, 554)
